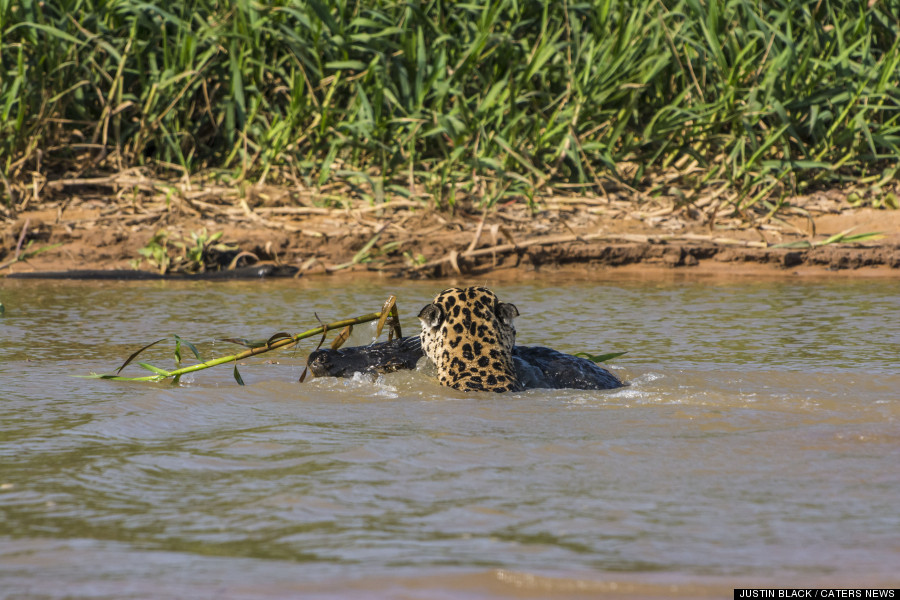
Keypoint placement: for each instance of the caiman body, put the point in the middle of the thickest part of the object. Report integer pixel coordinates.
(535, 366)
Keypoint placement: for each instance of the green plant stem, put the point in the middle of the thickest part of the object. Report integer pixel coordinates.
(281, 343)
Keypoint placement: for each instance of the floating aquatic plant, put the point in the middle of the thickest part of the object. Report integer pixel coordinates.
(388, 315)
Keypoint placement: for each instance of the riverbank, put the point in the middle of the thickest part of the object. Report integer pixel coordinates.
(93, 224)
(426, 143)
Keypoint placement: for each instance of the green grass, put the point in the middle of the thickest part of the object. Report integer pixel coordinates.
(478, 99)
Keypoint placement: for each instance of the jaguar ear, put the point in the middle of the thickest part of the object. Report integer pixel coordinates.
(431, 316)
(507, 312)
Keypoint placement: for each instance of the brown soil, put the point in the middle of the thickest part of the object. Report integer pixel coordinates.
(99, 225)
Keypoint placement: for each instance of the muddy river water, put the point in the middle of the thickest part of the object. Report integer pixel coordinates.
(758, 443)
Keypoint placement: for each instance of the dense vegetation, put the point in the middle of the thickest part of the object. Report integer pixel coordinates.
(485, 98)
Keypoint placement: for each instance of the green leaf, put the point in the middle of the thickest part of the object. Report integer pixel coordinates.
(120, 378)
(51, 31)
(135, 355)
(42, 249)
(844, 237)
(281, 335)
(863, 237)
(354, 65)
(156, 370)
(245, 342)
(237, 375)
(193, 348)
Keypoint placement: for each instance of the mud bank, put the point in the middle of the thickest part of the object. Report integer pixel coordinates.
(412, 239)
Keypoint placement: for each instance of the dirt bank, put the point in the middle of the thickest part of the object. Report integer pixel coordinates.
(94, 224)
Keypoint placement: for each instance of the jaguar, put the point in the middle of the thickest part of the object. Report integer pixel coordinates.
(470, 336)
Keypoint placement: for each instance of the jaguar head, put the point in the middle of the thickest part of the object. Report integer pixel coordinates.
(469, 335)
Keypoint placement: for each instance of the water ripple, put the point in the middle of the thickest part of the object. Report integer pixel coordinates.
(756, 438)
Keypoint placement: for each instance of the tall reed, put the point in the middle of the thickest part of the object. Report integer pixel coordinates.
(487, 99)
